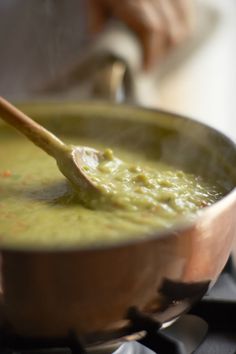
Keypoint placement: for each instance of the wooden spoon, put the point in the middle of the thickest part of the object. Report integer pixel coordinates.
(73, 161)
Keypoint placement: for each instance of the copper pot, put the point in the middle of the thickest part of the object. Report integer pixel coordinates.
(97, 292)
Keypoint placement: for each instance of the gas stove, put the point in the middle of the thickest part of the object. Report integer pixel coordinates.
(209, 327)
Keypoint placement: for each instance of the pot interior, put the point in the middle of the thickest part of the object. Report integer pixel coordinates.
(178, 141)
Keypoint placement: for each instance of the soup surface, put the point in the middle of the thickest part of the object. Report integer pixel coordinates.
(38, 207)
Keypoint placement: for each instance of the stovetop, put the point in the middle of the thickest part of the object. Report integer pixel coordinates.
(209, 328)
(218, 308)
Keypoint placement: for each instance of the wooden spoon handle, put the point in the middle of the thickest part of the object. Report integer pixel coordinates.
(34, 131)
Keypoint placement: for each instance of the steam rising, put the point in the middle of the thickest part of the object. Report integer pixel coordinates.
(183, 143)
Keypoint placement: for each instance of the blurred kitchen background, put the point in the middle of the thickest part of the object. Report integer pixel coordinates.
(204, 85)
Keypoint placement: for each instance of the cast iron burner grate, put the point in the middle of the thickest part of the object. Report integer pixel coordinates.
(19, 345)
(158, 341)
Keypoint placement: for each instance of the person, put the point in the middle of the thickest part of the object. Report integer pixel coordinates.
(159, 24)
(45, 37)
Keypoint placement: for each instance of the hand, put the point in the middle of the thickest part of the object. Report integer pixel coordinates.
(159, 24)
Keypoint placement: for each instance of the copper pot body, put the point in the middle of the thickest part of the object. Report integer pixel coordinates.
(94, 292)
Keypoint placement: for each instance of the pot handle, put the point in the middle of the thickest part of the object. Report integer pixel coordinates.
(111, 82)
(121, 62)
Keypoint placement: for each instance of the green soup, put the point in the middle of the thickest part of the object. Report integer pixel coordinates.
(39, 208)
